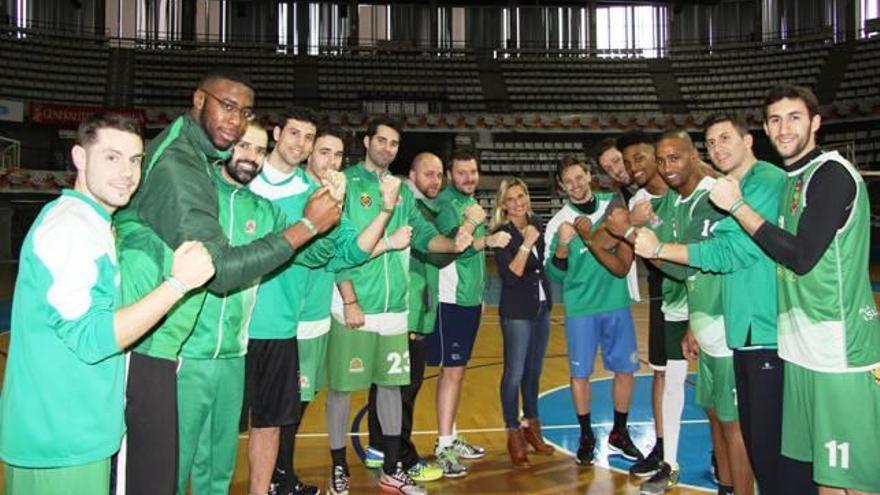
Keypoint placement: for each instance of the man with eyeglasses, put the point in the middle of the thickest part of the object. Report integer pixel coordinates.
(178, 201)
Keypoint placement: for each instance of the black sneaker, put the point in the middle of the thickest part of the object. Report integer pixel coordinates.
(338, 481)
(586, 454)
(649, 465)
(300, 488)
(620, 443)
(663, 480)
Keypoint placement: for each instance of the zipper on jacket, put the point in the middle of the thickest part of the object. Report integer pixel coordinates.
(223, 305)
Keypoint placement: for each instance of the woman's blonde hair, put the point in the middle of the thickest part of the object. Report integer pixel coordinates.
(499, 214)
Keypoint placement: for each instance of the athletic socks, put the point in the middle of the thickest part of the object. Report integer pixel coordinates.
(586, 425)
(673, 405)
(620, 420)
(444, 441)
(338, 456)
(392, 453)
(725, 490)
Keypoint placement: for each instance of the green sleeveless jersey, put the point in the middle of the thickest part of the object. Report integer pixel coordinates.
(827, 317)
(674, 305)
(694, 221)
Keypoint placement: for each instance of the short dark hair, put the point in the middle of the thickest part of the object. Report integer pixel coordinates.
(603, 146)
(735, 120)
(331, 130)
(571, 161)
(301, 114)
(795, 93)
(463, 155)
(373, 125)
(228, 74)
(633, 138)
(87, 132)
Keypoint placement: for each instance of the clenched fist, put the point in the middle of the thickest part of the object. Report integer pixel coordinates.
(646, 243)
(725, 192)
(335, 183)
(617, 222)
(498, 240)
(322, 210)
(475, 213)
(584, 227)
(401, 238)
(642, 213)
(566, 233)
(192, 265)
(389, 186)
(530, 236)
(462, 240)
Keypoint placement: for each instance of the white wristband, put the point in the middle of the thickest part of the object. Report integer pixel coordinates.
(177, 285)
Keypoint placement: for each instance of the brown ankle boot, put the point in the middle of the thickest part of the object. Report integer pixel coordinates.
(532, 434)
(516, 447)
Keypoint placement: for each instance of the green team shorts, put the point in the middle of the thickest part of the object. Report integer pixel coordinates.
(716, 386)
(833, 421)
(359, 357)
(673, 334)
(312, 346)
(87, 479)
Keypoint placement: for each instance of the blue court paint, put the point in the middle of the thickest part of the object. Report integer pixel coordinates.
(560, 427)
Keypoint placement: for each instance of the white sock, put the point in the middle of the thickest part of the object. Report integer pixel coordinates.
(444, 441)
(673, 405)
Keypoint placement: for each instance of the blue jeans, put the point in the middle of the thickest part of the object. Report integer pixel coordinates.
(525, 342)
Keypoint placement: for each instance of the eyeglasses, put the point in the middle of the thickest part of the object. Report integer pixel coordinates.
(245, 146)
(229, 107)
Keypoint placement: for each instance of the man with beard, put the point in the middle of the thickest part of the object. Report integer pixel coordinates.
(177, 202)
(591, 265)
(272, 371)
(368, 338)
(651, 205)
(695, 219)
(210, 375)
(462, 284)
(748, 287)
(61, 411)
(425, 181)
(828, 328)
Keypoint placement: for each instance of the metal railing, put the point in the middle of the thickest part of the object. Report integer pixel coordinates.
(10, 153)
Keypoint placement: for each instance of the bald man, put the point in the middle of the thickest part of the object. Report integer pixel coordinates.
(425, 181)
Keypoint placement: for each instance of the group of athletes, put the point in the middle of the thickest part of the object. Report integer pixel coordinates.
(175, 286)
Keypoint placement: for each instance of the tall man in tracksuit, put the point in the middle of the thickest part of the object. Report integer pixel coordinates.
(425, 181)
(373, 298)
(273, 359)
(210, 374)
(61, 409)
(177, 202)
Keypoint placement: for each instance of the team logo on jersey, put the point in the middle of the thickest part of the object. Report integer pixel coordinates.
(356, 365)
(304, 382)
(876, 373)
(796, 197)
(868, 312)
(251, 226)
(366, 200)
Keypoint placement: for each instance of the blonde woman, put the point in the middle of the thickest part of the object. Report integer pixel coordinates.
(525, 317)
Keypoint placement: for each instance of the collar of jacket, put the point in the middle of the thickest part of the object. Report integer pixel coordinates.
(197, 136)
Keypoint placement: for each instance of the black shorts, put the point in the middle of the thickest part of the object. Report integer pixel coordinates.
(656, 322)
(455, 331)
(272, 382)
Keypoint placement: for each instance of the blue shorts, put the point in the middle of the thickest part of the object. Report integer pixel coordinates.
(613, 331)
(454, 334)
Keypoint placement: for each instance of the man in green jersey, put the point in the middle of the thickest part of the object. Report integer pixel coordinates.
(829, 335)
(178, 201)
(592, 268)
(210, 373)
(695, 220)
(425, 181)
(461, 286)
(272, 372)
(69, 328)
(368, 338)
(651, 205)
(748, 290)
